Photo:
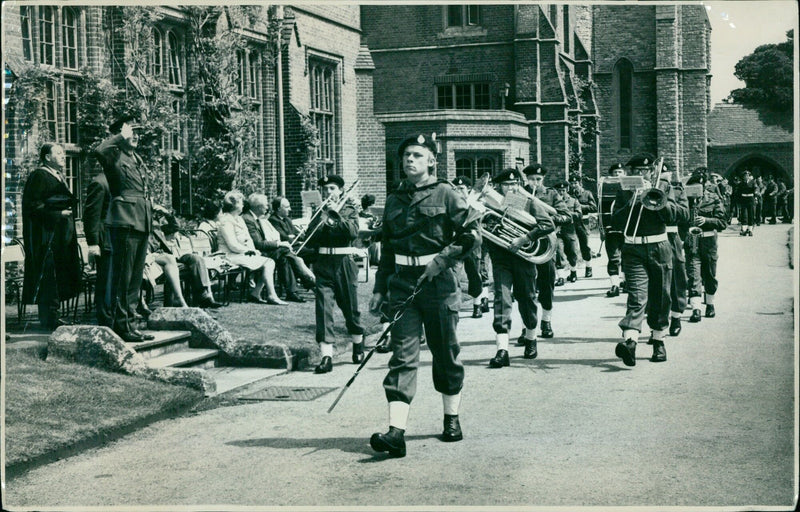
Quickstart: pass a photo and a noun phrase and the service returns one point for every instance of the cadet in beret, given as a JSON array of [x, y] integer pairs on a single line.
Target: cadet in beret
[[515, 274], [588, 205], [567, 236], [613, 242], [647, 262], [472, 262], [546, 272], [335, 269], [708, 214], [426, 231], [676, 235], [129, 218]]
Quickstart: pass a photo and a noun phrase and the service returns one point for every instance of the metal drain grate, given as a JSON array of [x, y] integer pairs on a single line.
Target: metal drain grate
[[287, 394]]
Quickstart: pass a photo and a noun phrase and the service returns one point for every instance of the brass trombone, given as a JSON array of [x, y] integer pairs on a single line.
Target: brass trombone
[[653, 199], [327, 205]]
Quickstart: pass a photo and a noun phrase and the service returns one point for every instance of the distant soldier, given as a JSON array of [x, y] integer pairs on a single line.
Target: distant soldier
[[613, 242], [472, 264], [568, 238], [588, 205], [747, 204]]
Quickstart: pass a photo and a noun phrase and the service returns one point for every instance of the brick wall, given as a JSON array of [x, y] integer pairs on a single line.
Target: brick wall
[[728, 160], [371, 137]]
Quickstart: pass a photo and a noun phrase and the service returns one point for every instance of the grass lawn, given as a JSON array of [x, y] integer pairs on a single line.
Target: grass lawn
[[55, 404]]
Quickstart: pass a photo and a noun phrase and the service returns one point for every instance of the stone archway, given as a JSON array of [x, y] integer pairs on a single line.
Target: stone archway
[[760, 165]]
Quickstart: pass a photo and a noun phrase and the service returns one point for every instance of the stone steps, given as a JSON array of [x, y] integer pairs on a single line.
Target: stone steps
[[171, 349]]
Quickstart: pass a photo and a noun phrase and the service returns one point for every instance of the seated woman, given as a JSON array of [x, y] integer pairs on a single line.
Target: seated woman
[[234, 240]]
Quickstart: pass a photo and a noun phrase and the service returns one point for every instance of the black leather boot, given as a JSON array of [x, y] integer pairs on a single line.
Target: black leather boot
[[674, 326], [573, 276], [626, 350], [324, 366], [659, 352], [613, 291], [588, 272], [485, 305], [392, 442], [476, 311], [358, 352], [530, 349], [500, 359], [547, 329], [452, 429], [560, 281], [710, 313], [696, 317]]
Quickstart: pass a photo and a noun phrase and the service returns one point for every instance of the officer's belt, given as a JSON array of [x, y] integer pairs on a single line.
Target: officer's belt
[[413, 261], [672, 229], [641, 240], [706, 234], [748, 195], [134, 195], [338, 250]]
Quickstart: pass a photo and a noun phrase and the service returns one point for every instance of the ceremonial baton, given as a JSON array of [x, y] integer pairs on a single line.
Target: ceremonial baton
[[400, 311]]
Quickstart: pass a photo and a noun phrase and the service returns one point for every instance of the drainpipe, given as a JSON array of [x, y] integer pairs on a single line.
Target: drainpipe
[[279, 85]]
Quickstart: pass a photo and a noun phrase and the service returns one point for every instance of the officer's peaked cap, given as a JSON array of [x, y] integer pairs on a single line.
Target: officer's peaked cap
[[641, 160], [331, 178], [534, 169], [507, 175], [421, 139], [615, 166], [116, 126], [462, 180]]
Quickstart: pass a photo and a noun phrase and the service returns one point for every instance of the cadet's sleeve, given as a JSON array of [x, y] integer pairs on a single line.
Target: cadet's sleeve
[[591, 205], [93, 214], [386, 264], [677, 208], [107, 151], [346, 224], [466, 236], [718, 219], [544, 222], [563, 215], [621, 210]]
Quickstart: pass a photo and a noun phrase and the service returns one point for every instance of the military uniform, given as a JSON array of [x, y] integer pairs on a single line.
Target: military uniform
[[676, 235], [613, 243], [336, 271], [701, 252], [129, 219], [546, 272], [647, 263], [588, 205], [98, 197], [513, 273], [568, 244], [747, 205]]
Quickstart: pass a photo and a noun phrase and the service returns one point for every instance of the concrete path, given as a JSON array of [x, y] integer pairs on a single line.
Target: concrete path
[[713, 426]]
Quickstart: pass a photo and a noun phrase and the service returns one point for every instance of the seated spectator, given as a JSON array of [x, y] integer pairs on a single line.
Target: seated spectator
[[236, 243], [282, 222], [267, 240], [211, 212]]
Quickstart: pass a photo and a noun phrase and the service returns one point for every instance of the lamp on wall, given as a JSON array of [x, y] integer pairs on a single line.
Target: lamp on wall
[[504, 94]]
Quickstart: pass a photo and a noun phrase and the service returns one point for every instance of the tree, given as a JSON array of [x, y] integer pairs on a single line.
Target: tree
[[768, 76]]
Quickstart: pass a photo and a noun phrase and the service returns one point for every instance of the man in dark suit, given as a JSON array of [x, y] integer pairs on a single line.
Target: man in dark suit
[[267, 239], [129, 220], [94, 213]]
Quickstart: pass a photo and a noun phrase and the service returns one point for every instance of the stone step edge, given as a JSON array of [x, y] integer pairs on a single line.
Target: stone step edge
[[182, 358], [161, 338]]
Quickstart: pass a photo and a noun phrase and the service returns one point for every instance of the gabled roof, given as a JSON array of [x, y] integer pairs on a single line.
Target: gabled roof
[[730, 124]]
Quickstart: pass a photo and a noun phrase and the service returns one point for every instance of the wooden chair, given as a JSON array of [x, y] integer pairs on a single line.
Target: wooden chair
[[220, 269], [13, 265]]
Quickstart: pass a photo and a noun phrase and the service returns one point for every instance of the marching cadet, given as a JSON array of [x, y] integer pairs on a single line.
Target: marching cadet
[[747, 204], [426, 230], [708, 214], [512, 272], [647, 261], [568, 238], [546, 272], [588, 205], [677, 289], [614, 240], [472, 263], [335, 269]]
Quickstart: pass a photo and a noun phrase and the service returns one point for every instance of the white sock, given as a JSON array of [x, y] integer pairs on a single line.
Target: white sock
[[572, 268], [529, 334], [398, 414], [658, 334], [357, 338], [614, 280], [451, 403], [630, 334], [484, 293], [326, 349], [501, 339], [561, 272], [694, 302], [476, 301], [547, 315], [709, 299], [674, 314]]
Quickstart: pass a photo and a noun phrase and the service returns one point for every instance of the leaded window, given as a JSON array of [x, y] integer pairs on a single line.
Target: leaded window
[[463, 96], [174, 54], [323, 113], [70, 111], [69, 38], [47, 35], [25, 21]]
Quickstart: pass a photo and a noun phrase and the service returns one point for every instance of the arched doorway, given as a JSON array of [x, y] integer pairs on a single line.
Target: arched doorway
[[760, 165]]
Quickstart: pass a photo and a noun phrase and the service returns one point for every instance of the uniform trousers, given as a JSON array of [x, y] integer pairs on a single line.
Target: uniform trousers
[[677, 289], [701, 260], [512, 272], [614, 241], [472, 265], [102, 288], [436, 308], [648, 275], [337, 278], [747, 212], [128, 252], [583, 241], [568, 248], [545, 283]]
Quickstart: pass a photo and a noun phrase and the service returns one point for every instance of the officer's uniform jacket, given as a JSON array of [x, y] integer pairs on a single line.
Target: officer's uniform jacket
[[130, 205], [748, 191], [95, 211], [652, 222], [711, 208], [341, 234], [574, 209], [420, 221]]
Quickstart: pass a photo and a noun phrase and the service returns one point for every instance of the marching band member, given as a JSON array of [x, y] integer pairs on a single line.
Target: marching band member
[[336, 272], [588, 205], [647, 261], [701, 251], [546, 272], [677, 289], [568, 238], [511, 272], [472, 262], [424, 235], [614, 240]]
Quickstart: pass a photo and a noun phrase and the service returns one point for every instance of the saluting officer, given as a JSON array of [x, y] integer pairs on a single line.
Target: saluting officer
[[701, 251], [588, 205], [647, 261], [335, 269], [546, 272], [614, 241], [472, 266], [129, 218], [514, 273], [424, 235]]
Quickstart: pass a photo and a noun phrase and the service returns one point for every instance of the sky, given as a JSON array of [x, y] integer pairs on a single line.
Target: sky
[[738, 28]]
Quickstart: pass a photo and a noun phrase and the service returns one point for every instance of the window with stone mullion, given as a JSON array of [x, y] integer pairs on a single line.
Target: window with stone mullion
[[47, 35], [69, 38], [49, 109], [70, 111], [322, 114], [174, 54], [25, 22]]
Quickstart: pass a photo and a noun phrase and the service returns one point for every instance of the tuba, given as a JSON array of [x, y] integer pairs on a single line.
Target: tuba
[[500, 225]]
